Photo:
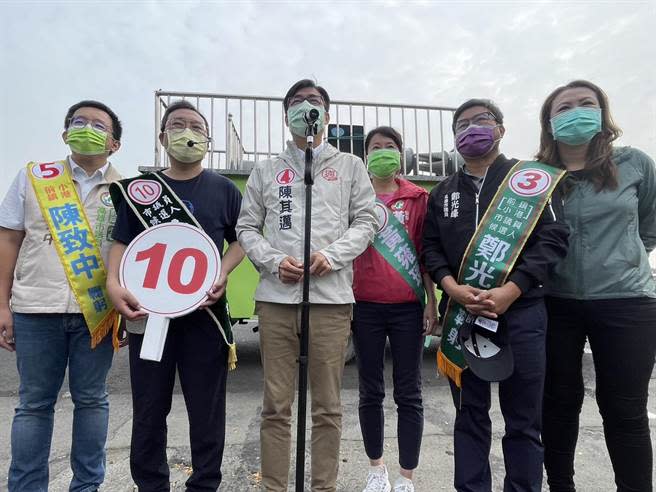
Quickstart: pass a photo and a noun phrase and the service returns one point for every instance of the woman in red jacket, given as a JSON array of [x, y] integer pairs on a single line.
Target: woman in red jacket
[[390, 291]]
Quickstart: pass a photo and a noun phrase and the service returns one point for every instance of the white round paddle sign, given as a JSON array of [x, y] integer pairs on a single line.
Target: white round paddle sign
[[169, 268]]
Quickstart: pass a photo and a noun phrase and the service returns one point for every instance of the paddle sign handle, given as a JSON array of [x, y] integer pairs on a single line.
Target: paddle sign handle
[[154, 339], [427, 342]]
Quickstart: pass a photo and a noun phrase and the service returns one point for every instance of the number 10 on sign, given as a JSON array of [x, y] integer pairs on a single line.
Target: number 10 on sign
[[169, 268]]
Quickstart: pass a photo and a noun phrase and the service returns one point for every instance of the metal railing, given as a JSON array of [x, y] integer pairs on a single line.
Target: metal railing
[[234, 149], [245, 129]]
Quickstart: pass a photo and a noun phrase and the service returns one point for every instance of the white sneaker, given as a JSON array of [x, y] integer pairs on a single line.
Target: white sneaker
[[403, 484], [378, 480]]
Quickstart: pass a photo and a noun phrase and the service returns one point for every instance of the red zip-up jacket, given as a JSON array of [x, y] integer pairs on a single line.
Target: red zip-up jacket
[[374, 280]]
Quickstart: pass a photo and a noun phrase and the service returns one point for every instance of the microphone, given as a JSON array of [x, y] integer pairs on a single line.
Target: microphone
[[311, 116], [191, 143]]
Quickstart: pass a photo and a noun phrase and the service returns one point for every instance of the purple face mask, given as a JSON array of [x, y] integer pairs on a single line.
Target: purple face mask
[[475, 141]]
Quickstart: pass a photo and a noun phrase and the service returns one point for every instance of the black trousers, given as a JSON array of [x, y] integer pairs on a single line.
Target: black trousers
[[194, 346], [622, 336], [520, 398], [373, 324]]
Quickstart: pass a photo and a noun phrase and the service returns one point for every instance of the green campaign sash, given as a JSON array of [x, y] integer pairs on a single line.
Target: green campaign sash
[[154, 202], [497, 243], [394, 245]]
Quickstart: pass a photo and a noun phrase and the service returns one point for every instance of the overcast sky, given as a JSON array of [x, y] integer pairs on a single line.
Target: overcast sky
[[53, 54]]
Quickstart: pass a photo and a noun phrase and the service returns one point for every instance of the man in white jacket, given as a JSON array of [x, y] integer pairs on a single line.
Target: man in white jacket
[[270, 229]]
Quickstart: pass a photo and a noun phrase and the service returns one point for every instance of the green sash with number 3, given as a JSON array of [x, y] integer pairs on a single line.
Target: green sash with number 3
[[495, 247]]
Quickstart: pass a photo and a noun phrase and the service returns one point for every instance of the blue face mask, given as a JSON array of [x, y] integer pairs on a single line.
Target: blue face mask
[[576, 126]]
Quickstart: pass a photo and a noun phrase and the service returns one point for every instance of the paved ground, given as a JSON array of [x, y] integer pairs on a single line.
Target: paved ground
[[241, 461]]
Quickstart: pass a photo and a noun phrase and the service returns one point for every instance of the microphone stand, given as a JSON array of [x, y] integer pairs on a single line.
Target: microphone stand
[[305, 310]]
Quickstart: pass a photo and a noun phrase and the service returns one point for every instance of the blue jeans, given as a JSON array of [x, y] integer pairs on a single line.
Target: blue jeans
[[45, 345]]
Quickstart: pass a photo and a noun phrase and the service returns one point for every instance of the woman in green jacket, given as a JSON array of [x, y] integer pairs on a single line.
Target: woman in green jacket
[[603, 290]]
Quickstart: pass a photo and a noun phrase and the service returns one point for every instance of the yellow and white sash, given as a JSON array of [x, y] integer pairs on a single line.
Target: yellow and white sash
[[76, 246]]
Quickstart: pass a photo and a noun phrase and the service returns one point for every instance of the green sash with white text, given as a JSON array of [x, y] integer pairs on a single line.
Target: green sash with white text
[[497, 243], [394, 245]]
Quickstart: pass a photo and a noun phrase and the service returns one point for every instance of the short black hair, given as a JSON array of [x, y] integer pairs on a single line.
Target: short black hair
[[385, 131], [304, 84], [181, 104], [486, 103], [117, 128]]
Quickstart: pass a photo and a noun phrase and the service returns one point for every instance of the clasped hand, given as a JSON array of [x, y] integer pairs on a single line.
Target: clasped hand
[[291, 270], [489, 303]]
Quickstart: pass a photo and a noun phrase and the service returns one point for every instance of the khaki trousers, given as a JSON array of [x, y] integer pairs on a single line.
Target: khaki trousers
[[280, 326]]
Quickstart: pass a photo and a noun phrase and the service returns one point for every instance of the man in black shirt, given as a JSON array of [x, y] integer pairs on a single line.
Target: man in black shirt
[[194, 344], [456, 207]]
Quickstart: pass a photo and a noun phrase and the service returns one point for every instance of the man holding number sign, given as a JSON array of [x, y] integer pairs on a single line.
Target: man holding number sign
[[199, 345], [55, 226]]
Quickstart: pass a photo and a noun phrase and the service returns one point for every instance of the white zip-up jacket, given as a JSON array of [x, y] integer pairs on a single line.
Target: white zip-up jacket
[[272, 218]]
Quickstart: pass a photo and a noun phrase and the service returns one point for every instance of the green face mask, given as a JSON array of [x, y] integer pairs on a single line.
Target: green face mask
[[178, 145], [87, 141], [296, 120], [383, 163]]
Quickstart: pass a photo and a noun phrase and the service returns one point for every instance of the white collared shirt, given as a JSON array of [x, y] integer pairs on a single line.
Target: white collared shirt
[[86, 182], [12, 209], [315, 151]]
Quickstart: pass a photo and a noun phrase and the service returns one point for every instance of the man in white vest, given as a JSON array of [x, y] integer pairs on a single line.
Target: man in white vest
[[55, 233]]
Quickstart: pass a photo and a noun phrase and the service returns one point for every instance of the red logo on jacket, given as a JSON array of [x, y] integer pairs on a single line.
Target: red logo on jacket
[[329, 174], [285, 176]]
